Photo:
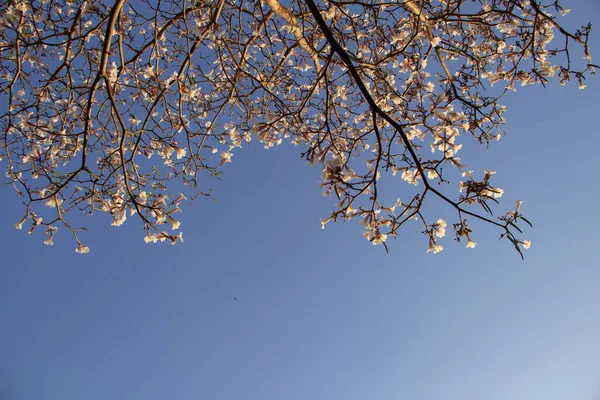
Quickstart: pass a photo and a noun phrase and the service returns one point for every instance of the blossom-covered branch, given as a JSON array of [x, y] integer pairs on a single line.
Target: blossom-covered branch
[[125, 107]]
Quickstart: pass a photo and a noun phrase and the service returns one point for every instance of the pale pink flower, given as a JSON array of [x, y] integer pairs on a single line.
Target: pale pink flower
[[81, 249]]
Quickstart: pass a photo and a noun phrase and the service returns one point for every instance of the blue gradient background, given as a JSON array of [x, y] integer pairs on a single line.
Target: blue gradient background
[[322, 314]]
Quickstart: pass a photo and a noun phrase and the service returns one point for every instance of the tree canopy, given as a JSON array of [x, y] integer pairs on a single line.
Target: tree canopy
[[129, 107]]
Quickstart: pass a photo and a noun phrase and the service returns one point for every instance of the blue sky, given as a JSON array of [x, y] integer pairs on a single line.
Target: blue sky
[[322, 314]]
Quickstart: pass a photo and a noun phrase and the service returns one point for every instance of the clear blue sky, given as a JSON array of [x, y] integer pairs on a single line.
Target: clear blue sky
[[322, 314]]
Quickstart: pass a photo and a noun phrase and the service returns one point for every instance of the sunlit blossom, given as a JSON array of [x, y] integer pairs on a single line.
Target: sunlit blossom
[[180, 152], [19, 225], [226, 156], [81, 249], [435, 248], [471, 244], [440, 228]]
